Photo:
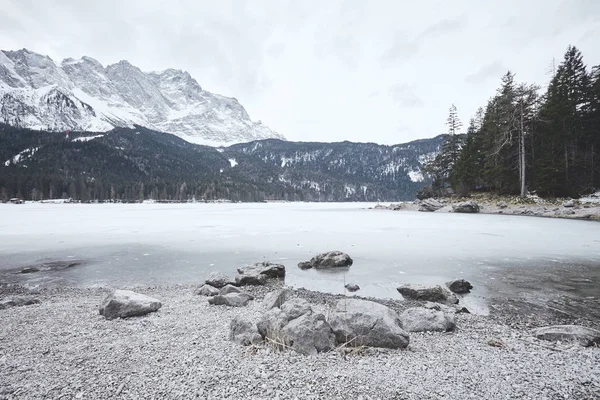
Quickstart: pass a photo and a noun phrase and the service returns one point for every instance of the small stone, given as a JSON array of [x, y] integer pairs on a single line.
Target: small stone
[[352, 287]]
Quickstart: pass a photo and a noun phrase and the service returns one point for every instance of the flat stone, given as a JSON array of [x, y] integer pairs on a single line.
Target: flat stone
[[565, 333], [18, 301], [231, 299], [126, 303], [434, 293], [229, 289]]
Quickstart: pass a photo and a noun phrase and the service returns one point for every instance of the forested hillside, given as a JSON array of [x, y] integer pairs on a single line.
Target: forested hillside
[[529, 140]]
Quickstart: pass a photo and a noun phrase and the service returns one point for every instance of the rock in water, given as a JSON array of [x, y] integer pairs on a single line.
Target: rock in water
[[219, 280], [430, 205], [308, 334], [466, 207], [459, 286], [419, 319], [361, 322], [258, 274], [332, 259], [231, 299], [125, 303], [229, 289], [295, 308], [244, 332], [275, 299], [352, 287], [305, 265], [29, 270], [580, 334], [434, 293], [206, 290], [18, 301]]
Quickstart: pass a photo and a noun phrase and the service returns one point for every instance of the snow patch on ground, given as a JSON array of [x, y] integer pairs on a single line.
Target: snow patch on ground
[[415, 176], [25, 154], [233, 162], [86, 138]]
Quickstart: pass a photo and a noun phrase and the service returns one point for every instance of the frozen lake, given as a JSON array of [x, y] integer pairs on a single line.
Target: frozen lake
[[156, 244]]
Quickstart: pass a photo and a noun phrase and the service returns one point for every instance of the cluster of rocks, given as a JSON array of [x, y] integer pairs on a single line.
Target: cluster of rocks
[[294, 324]]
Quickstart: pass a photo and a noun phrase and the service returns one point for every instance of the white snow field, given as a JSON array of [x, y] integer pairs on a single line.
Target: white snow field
[[157, 244]]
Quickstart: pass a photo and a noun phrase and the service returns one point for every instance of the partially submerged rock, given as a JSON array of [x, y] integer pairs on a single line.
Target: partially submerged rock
[[434, 293], [258, 274], [352, 287], [231, 299], [571, 333], [420, 319], [18, 301], [275, 299], [459, 286], [331, 259], [243, 331], [466, 207], [305, 265], [29, 270], [430, 205], [219, 280], [126, 303], [206, 290], [365, 323]]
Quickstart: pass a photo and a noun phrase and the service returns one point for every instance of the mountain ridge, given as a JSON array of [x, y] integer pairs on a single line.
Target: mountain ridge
[[81, 94]]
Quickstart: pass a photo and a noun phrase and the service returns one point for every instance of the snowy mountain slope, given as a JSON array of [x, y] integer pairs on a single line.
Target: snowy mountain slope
[[83, 95]]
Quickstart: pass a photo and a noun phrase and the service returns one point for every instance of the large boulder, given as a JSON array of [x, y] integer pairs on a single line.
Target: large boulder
[[275, 299], [331, 259], [430, 205], [257, 274], [459, 286], [219, 280], [229, 289], [271, 324], [295, 308], [308, 334], [206, 290], [18, 301], [231, 299], [243, 331], [434, 293], [365, 323], [125, 303], [270, 270], [569, 333], [466, 207], [420, 319]]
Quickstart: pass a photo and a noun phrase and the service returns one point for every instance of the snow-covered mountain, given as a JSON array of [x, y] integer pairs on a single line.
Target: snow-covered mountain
[[83, 95]]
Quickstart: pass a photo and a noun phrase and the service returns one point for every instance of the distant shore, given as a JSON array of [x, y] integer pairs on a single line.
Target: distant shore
[[62, 348]]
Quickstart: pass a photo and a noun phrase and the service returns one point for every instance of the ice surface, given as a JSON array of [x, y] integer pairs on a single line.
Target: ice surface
[[183, 240]]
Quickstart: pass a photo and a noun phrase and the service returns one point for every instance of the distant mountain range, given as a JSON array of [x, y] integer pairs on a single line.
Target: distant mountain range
[[130, 164], [83, 95]]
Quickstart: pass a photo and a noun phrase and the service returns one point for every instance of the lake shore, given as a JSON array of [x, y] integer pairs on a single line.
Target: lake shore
[[62, 348], [584, 209]]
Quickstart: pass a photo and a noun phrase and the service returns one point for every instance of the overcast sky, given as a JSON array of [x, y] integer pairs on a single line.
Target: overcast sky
[[381, 71]]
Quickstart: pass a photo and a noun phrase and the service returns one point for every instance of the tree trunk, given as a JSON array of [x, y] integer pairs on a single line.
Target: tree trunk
[[522, 152]]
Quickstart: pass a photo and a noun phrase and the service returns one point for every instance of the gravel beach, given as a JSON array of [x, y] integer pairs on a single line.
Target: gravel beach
[[62, 348]]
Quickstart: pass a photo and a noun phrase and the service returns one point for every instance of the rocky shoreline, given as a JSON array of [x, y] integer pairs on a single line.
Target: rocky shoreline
[[584, 209], [62, 347]]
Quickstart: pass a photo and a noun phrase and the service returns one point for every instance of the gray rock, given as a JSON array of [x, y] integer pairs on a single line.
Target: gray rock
[[219, 280], [229, 289], [275, 299], [231, 299], [502, 204], [331, 259], [569, 203], [466, 207], [126, 303], [305, 265], [295, 308], [352, 287], [206, 290], [434, 293], [420, 319], [243, 331], [18, 301], [29, 270], [569, 333], [366, 323], [430, 205], [250, 280], [270, 270], [459, 286], [309, 334], [271, 324]]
